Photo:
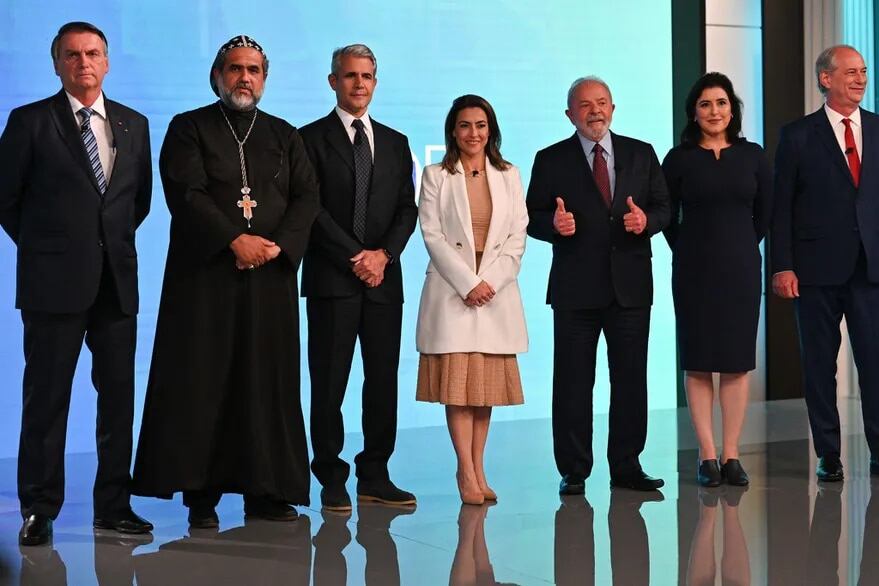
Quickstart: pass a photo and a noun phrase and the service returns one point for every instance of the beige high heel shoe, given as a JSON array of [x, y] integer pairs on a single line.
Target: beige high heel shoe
[[474, 497]]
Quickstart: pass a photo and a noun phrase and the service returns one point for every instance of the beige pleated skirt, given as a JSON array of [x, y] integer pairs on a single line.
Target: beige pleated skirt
[[470, 379]]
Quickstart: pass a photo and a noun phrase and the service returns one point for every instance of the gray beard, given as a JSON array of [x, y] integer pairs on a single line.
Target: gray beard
[[238, 103]]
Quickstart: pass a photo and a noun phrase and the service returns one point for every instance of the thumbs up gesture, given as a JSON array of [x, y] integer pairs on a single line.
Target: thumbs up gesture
[[635, 220], [562, 220]]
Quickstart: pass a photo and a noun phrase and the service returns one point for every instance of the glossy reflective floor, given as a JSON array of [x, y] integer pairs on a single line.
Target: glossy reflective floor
[[785, 529]]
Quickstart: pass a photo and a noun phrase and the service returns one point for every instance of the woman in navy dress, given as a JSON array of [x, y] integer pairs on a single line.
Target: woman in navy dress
[[720, 186]]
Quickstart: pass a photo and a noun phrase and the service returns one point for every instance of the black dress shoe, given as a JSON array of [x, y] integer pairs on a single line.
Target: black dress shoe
[[874, 467], [636, 481], [268, 510], [572, 484], [829, 469], [385, 493], [734, 473], [335, 498], [125, 522], [203, 518], [36, 530], [709, 473]]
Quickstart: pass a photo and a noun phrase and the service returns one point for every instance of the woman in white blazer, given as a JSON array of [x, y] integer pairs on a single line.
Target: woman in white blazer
[[471, 323]]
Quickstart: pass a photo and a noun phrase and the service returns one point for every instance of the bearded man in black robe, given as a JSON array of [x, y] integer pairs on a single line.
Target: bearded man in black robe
[[222, 411]]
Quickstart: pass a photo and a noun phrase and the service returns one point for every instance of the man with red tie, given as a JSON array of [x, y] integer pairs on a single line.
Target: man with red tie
[[598, 197], [825, 246]]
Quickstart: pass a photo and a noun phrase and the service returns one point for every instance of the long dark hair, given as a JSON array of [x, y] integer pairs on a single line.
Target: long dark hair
[[692, 134], [492, 148]]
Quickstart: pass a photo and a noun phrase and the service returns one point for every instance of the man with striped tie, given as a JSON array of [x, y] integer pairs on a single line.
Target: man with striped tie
[[75, 183]]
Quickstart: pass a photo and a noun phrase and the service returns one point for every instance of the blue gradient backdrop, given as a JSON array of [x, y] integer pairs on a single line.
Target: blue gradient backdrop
[[520, 55]]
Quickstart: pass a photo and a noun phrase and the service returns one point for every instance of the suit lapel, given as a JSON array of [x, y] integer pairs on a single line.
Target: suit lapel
[[826, 137], [622, 161], [498, 191], [457, 183], [580, 169], [338, 139], [120, 137], [67, 126], [869, 136], [383, 151]]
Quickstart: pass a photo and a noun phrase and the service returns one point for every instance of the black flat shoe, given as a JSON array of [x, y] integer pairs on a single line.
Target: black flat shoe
[[637, 481], [125, 522], [385, 493], [572, 485], [268, 510], [335, 498], [734, 474], [829, 469], [203, 518], [36, 530], [709, 473]]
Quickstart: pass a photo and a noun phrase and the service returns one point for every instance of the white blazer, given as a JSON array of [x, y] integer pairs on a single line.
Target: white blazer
[[445, 324]]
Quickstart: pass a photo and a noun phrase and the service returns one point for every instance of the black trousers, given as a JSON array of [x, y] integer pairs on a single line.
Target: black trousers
[[576, 341], [52, 343], [334, 325], [819, 312]]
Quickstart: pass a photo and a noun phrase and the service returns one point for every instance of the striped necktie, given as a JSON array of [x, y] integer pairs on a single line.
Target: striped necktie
[[91, 147]]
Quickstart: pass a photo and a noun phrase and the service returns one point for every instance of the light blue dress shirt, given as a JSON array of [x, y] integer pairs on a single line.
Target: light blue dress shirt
[[607, 145]]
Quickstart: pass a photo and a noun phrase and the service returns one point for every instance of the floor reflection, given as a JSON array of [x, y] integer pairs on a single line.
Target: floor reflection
[[574, 557], [276, 553], [786, 528], [735, 567], [373, 534], [42, 566], [471, 565]]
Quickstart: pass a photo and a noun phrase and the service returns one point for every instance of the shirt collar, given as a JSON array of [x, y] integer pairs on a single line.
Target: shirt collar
[[605, 142], [347, 118], [98, 107], [836, 118]]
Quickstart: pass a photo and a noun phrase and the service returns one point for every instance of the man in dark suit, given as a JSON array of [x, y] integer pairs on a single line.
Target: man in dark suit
[[598, 197], [75, 183], [825, 246], [352, 278]]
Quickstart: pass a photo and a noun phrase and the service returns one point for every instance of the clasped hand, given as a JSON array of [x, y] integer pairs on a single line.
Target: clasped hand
[[253, 251], [479, 295], [369, 266]]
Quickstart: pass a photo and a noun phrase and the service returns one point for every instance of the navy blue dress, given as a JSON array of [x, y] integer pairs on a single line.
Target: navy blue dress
[[720, 210]]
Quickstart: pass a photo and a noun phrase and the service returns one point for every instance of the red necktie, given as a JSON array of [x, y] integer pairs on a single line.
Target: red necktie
[[599, 173], [851, 152]]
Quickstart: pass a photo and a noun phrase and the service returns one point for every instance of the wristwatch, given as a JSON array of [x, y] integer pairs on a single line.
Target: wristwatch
[[390, 256]]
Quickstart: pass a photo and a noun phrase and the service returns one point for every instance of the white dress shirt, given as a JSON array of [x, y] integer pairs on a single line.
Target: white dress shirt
[[348, 118], [101, 129], [839, 128]]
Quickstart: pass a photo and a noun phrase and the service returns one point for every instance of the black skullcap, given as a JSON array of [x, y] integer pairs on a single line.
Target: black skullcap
[[241, 41]]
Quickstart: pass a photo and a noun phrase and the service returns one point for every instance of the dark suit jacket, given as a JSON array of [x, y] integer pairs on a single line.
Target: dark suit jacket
[[50, 205], [390, 216], [820, 219], [601, 262]]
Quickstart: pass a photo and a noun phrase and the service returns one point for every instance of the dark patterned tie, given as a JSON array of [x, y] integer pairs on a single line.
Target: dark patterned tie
[[599, 172], [362, 177], [91, 147], [851, 152]]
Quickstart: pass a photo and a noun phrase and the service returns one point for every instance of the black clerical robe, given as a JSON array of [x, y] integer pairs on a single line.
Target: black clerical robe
[[222, 410]]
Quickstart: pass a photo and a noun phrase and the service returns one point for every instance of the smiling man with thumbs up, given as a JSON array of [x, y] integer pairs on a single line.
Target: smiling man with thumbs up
[[598, 197]]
